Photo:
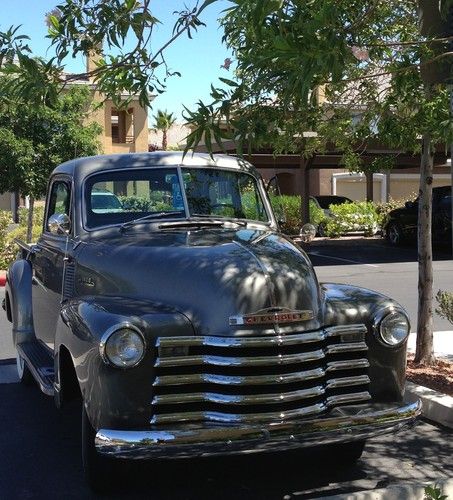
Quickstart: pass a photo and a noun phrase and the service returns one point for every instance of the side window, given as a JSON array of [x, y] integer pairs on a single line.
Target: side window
[[59, 199]]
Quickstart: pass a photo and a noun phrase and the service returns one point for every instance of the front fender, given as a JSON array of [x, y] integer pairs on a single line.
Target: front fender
[[350, 304], [113, 396], [18, 290]]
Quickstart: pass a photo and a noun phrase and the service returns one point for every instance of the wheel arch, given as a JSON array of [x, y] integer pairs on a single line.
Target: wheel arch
[[67, 386]]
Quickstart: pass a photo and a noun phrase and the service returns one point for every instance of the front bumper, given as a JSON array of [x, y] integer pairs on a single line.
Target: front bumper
[[343, 424]]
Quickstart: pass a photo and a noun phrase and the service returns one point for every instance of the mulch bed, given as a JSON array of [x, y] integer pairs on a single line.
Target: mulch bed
[[438, 377]]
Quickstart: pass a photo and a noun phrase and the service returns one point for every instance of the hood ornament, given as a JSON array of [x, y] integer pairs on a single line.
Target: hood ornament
[[272, 316]]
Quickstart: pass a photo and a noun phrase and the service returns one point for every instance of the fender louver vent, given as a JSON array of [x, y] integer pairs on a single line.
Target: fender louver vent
[[68, 281]]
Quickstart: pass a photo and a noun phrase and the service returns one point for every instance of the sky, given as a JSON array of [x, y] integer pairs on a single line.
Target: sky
[[198, 60]]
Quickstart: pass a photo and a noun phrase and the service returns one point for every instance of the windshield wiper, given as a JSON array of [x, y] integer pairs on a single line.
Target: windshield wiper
[[191, 223], [155, 215]]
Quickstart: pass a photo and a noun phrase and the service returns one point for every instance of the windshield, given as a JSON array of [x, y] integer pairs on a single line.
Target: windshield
[[139, 196], [222, 193]]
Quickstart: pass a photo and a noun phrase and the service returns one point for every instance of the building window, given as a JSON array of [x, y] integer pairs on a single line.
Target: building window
[[123, 126]]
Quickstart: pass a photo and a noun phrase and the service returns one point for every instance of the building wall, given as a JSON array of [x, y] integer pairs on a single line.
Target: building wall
[[139, 132], [5, 201]]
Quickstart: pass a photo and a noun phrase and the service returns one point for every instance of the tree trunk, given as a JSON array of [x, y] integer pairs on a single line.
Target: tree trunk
[[369, 186], [30, 219], [424, 349], [164, 140]]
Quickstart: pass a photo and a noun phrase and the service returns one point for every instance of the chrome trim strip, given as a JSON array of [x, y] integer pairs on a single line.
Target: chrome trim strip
[[333, 383], [212, 416], [348, 398], [262, 341], [281, 359], [349, 364], [279, 340], [349, 347], [211, 378], [343, 424], [244, 399], [335, 331]]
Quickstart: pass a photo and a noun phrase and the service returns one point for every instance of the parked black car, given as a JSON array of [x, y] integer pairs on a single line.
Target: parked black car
[[402, 222], [191, 326], [324, 201]]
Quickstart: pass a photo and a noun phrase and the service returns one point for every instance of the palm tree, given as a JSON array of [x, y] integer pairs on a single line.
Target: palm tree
[[163, 121]]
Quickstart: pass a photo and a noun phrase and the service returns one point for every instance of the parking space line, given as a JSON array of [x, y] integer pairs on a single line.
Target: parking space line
[[342, 259]]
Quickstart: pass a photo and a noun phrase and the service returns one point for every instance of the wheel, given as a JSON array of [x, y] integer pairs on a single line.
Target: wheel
[[23, 372], [98, 469], [322, 229], [394, 233]]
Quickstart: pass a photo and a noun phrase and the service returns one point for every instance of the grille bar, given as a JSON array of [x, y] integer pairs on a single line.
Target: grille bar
[[210, 378], [334, 383], [357, 397], [278, 340], [259, 378], [349, 347], [281, 359], [211, 416], [352, 364], [249, 399]]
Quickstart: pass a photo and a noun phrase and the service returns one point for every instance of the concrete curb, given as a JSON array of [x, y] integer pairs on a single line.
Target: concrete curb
[[436, 406], [406, 491]]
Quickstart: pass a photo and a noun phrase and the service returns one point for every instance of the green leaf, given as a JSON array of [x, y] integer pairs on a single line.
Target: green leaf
[[231, 83]]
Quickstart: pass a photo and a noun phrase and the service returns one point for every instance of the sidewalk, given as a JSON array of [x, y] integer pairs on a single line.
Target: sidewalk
[[443, 344]]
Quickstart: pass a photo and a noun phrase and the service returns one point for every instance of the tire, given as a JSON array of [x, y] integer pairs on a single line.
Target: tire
[[23, 372], [394, 234], [99, 471], [322, 229]]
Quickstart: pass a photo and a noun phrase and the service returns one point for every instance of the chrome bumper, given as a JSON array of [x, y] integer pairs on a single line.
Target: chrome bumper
[[343, 424]]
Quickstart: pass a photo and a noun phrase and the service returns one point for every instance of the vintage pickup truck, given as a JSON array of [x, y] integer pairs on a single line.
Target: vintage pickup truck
[[162, 292]]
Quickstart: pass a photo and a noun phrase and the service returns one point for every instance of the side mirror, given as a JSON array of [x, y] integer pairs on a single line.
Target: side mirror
[[59, 224]]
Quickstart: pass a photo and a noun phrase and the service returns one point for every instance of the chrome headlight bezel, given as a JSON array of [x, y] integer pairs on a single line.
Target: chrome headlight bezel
[[385, 316], [108, 336]]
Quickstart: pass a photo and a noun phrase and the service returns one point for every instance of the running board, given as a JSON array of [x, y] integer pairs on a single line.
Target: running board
[[40, 364]]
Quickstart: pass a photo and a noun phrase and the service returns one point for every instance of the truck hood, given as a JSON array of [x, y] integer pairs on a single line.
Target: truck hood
[[213, 276]]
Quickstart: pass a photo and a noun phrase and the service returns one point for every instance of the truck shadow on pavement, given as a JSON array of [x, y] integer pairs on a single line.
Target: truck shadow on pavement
[[41, 459]]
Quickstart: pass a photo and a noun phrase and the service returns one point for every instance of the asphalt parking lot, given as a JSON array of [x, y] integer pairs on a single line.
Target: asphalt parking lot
[[40, 459], [39, 445]]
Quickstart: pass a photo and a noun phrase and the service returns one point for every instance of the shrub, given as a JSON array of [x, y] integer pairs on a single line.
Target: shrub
[[349, 217], [290, 205], [9, 249], [135, 203], [445, 309], [5, 221]]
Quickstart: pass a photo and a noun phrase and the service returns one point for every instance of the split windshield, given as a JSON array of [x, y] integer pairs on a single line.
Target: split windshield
[[123, 196]]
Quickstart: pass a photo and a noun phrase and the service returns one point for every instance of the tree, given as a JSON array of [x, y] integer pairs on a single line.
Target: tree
[[365, 57], [98, 27], [163, 121], [34, 139], [86, 28]]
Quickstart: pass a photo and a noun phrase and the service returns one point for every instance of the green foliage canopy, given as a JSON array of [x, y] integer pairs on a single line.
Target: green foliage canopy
[[348, 70], [35, 138]]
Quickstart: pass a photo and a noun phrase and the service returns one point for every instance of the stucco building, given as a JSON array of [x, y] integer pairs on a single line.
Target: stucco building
[[123, 130]]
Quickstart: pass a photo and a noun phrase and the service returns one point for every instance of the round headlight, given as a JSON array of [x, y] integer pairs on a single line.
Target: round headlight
[[394, 328], [123, 347]]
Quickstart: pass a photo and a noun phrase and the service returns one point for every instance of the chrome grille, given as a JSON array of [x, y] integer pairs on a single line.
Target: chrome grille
[[252, 379]]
